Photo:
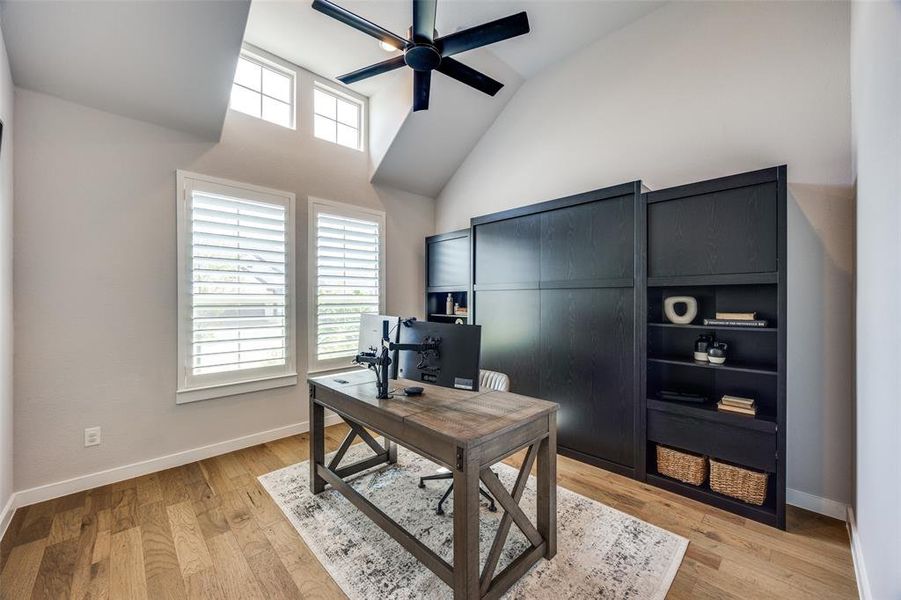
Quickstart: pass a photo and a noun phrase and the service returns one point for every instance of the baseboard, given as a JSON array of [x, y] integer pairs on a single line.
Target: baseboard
[[863, 584], [6, 515], [86, 482], [824, 506]]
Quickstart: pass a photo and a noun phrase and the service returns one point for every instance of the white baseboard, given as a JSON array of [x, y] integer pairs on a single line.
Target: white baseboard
[[824, 506], [6, 515], [863, 584], [86, 482]]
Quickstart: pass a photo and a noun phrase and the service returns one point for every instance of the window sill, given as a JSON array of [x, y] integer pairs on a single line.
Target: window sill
[[338, 369], [188, 395]]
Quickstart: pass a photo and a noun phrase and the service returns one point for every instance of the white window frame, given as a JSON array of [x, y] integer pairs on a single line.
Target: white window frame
[[345, 210], [339, 95], [216, 385], [268, 61]]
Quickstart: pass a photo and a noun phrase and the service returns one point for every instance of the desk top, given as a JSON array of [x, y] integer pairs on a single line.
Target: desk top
[[463, 416]]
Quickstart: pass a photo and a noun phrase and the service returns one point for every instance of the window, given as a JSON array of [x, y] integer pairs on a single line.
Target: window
[[235, 288], [337, 118], [346, 279], [263, 90]]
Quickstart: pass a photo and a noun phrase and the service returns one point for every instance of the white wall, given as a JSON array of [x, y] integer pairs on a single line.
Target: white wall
[[876, 68], [692, 91], [95, 276], [6, 282]]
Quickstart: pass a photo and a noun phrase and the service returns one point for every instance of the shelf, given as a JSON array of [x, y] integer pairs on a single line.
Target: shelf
[[715, 327], [729, 366], [442, 315], [764, 514], [724, 279], [709, 412], [445, 289]]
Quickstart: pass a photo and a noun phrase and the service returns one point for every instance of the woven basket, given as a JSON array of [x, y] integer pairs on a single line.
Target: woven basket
[[685, 467], [736, 482]]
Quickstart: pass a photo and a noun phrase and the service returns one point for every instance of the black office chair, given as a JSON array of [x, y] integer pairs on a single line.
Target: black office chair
[[493, 381]]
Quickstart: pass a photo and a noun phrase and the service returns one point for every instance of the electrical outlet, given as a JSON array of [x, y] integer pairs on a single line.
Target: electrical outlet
[[91, 436]]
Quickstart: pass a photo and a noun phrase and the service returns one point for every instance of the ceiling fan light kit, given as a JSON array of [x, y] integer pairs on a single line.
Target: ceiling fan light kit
[[425, 52]]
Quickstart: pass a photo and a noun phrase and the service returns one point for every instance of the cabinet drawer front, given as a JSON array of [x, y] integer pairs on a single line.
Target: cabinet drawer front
[[746, 447]]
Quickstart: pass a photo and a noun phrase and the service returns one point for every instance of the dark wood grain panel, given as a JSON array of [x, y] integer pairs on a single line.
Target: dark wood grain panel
[[589, 241], [448, 263], [731, 231], [510, 325], [587, 349], [508, 251]]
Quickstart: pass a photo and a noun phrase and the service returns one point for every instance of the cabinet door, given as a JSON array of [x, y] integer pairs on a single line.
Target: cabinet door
[[731, 231], [449, 263], [508, 251], [589, 242], [509, 321], [587, 352]]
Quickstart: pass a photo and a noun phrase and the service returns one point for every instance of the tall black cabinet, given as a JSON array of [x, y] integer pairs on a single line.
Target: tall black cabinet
[[557, 290], [723, 242], [570, 293]]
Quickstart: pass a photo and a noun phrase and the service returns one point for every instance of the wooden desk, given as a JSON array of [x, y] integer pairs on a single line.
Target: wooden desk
[[467, 432]]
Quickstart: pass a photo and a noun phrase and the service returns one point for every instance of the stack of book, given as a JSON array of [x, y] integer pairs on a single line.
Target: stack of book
[[736, 319], [737, 404]]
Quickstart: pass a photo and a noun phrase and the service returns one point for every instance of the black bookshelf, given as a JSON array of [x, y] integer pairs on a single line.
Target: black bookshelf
[[722, 242], [448, 268]]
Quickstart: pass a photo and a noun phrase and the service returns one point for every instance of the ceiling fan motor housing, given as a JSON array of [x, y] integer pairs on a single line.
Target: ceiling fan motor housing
[[422, 57]]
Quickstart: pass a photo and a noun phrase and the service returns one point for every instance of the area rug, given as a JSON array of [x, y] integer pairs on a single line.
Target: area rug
[[602, 552]]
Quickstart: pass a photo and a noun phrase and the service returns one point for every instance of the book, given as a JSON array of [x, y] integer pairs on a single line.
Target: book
[[737, 316], [735, 322], [737, 401], [736, 409]]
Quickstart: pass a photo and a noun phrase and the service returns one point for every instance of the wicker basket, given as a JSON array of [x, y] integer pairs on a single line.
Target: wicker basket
[[683, 466], [729, 480]]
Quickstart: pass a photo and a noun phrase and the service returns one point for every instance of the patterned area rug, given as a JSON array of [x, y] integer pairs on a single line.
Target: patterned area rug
[[602, 552]]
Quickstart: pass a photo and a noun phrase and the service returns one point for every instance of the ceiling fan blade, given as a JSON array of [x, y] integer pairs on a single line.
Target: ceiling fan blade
[[422, 82], [482, 35], [424, 20], [469, 76], [359, 23], [372, 70]]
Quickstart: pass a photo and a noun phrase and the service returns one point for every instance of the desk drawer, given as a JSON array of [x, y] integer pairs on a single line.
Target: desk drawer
[[746, 447]]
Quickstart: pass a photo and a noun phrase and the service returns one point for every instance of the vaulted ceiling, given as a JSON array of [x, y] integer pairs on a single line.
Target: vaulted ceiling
[[426, 148], [169, 63]]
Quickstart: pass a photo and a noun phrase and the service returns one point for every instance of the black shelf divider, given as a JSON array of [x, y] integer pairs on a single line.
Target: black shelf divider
[[708, 412], [715, 327], [728, 366]]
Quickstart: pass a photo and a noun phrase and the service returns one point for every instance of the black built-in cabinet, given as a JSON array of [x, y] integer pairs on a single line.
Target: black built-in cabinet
[[554, 291], [569, 294], [448, 271]]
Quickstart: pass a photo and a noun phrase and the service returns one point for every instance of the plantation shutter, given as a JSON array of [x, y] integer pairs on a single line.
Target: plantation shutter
[[239, 287], [347, 281]]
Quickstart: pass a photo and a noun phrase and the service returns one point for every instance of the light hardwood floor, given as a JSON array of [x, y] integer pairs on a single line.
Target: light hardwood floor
[[209, 530]]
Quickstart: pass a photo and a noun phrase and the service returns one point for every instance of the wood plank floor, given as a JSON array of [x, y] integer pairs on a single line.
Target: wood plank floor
[[208, 530]]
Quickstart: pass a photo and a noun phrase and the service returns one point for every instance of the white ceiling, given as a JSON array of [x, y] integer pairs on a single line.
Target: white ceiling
[[428, 147], [164, 62], [292, 30]]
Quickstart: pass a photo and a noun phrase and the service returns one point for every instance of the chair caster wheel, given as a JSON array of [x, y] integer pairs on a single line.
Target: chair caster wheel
[[492, 508], [421, 485], [439, 512]]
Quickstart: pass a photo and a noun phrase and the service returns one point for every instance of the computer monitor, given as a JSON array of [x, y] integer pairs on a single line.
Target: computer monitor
[[371, 332], [456, 362]]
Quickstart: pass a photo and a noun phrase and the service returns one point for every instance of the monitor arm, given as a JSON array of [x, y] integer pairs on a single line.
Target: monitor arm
[[380, 361]]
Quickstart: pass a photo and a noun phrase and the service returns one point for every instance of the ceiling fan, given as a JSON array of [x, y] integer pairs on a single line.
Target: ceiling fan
[[424, 52]]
